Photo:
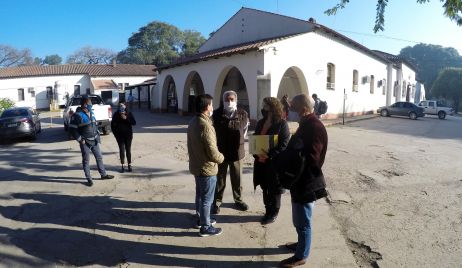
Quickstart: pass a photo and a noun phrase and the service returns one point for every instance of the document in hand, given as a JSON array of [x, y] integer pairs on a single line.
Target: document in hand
[[259, 144]]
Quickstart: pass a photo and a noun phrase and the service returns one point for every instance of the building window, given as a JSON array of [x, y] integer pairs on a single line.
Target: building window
[[372, 84], [120, 86], [404, 89], [395, 89], [330, 76], [76, 90], [126, 85], [355, 80], [31, 91], [20, 94]]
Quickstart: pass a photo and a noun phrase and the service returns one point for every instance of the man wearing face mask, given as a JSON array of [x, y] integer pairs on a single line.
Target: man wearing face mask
[[230, 124], [84, 129]]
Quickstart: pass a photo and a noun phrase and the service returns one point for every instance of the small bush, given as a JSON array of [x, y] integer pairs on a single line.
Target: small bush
[[5, 103]]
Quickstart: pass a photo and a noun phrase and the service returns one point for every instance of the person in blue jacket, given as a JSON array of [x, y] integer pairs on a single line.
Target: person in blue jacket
[[84, 130]]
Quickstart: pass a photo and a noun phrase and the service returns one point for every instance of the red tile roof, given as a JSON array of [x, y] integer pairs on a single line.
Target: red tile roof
[[70, 69]]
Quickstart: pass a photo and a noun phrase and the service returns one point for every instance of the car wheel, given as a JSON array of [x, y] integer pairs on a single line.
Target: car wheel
[[384, 113], [413, 115], [441, 115]]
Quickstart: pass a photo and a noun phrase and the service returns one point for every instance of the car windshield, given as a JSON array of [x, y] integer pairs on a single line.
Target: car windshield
[[14, 112], [94, 100]]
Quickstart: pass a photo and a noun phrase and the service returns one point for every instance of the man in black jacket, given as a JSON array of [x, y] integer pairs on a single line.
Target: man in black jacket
[[311, 185], [230, 125], [85, 131]]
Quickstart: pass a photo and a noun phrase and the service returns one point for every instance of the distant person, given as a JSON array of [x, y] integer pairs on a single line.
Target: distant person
[[264, 175], [130, 100], [204, 158], [84, 129], [121, 126], [311, 186], [230, 124], [316, 105]]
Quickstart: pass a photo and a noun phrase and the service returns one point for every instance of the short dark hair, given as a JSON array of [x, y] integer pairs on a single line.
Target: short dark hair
[[202, 101], [84, 100], [314, 96]]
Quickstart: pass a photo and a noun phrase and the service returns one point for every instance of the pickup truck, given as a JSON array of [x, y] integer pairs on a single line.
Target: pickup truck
[[434, 107], [103, 113]]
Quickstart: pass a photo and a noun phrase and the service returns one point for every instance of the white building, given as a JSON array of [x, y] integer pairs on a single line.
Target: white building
[[260, 54], [35, 85]]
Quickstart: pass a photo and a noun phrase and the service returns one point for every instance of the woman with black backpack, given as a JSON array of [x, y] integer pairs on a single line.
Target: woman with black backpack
[[121, 126], [264, 175]]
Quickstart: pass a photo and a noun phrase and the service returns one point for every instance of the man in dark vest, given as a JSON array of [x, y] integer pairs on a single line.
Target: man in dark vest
[[230, 125], [84, 129]]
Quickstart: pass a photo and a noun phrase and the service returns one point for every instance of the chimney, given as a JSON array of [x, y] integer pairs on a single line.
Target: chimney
[[114, 63]]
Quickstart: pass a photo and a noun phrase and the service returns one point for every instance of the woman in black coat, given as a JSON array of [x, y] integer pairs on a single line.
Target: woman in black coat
[[264, 175], [121, 126]]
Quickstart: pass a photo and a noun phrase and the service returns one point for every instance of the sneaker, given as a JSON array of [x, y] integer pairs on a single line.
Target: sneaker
[[215, 210], [90, 182], [292, 246], [107, 177], [241, 206], [198, 223], [210, 231], [291, 262]]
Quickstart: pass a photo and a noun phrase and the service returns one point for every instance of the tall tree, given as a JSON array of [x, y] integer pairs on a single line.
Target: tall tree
[[448, 85], [430, 60], [10, 56], [160, 43], [52, 60], [90, 55], [452, 10]]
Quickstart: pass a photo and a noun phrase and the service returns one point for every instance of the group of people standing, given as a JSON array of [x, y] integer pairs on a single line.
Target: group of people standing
[[215, 141]]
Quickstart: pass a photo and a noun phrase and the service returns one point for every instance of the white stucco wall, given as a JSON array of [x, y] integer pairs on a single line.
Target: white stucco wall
[[249, 25]]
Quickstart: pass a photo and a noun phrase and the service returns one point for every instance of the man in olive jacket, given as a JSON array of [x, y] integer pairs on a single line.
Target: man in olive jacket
[[204, 158]]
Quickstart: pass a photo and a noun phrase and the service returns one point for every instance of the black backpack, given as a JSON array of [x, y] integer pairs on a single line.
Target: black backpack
[[322, 107], [290, 163]]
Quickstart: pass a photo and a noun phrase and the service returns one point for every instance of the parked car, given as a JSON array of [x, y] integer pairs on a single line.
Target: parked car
[[434, 107], [20, 122], [102, 112], [402, 108]]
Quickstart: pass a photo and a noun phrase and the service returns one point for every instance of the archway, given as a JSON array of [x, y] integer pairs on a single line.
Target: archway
[[292, 83], [192, 87], [231, 79], [169, 96]]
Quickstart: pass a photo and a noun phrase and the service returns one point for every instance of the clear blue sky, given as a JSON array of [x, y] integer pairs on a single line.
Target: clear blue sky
[[61, 27]]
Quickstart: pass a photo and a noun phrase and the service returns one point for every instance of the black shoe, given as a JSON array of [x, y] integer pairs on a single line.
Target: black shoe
[[122, 170], [210, 231], [292, 246], [241, 206], [267, 219], [107, 177], [89, 182], [129, 168], [215, 210]]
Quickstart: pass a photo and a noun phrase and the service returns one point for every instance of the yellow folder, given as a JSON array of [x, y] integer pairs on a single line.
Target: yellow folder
[[259, 144]]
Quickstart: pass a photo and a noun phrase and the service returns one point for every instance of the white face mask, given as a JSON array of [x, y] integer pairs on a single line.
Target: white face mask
[[230, 106]]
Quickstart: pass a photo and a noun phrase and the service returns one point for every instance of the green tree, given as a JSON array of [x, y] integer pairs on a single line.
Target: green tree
[[452, 10], [11, 57], [430, 60], [52, 60], [90, 55], [448, 85], [160, 43], [5, 103]]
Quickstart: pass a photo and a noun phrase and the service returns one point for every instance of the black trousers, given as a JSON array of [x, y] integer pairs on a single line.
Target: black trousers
[[272, 200], [125, 147]]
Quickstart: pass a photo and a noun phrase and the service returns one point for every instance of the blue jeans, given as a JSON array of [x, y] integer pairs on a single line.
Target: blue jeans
[[86, 150], [205, 192], [301, 217]]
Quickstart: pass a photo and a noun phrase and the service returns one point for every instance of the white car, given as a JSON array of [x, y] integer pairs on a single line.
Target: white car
[[434, 107], [102, 112]]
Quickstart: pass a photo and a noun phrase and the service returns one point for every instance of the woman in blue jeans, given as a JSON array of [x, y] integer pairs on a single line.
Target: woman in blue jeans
[[311, 185]]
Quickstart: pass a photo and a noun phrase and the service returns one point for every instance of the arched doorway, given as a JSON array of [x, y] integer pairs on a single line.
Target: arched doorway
[[232, 79], [292, 83], [192, 88], [169, 96]]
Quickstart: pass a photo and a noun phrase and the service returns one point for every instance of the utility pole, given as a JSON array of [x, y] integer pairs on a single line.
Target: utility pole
[[344, 99]]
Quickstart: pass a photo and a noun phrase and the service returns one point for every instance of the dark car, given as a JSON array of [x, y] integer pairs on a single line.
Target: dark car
[[402, 108], [19, 122]]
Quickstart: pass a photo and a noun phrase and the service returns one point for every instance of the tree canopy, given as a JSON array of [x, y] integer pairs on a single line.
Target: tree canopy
[[52, 60], [430, 60], [448, 85], [11, 57], [160, 43], [452, 10], [90, 55]]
